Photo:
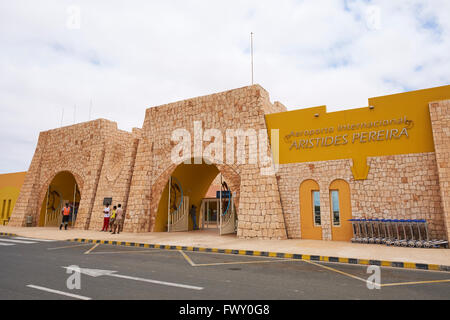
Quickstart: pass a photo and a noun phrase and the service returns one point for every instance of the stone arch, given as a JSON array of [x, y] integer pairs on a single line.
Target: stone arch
[[229, 173], [47, 180]]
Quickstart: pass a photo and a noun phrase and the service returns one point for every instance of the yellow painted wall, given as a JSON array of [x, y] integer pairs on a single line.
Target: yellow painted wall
[[64, 184], [308, 229], [10, 185], [195, 180], [343, 232], [401, 125]]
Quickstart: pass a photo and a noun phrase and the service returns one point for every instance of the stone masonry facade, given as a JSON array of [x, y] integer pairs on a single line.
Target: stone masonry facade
[[133, 168], [397, 187], [440, 121]]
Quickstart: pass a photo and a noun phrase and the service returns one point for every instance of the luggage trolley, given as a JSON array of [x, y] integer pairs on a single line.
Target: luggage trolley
[[371, 227], [379, 238], [404, 240], [427, 243], [354, 230], [359, 231], [389, 240], [412, 242], [399, 239], [365, 230]]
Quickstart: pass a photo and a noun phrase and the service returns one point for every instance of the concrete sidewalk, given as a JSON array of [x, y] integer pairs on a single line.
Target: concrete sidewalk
[[211, 239]]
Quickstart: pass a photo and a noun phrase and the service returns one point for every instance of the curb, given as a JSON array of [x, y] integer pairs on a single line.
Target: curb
[[294, 256], [8, 234]]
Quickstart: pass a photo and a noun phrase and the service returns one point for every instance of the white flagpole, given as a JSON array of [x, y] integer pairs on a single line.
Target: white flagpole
[[90, 109], [251, 45]]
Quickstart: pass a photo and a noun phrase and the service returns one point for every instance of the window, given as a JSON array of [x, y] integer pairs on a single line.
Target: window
[[3, 209], [8, 213], [316, 207], [336, 212]]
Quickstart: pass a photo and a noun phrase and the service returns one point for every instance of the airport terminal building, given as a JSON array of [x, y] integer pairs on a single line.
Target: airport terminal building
[[315, 171]]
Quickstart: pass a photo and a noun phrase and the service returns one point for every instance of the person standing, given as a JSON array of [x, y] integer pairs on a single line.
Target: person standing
[[193, 217], [118, 222], [106, 215], [112, 218], [65, 216]]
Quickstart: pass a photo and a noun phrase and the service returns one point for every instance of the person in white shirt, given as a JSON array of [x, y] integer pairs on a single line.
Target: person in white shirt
[[106, 215]]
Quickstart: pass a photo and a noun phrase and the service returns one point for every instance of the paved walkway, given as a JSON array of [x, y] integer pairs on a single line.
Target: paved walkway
[[211, 239]]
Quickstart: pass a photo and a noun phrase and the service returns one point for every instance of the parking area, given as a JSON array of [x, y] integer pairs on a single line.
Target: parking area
[[121, 272]]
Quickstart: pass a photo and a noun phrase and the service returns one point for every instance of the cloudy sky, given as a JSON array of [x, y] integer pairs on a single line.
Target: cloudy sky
[[126, 56]]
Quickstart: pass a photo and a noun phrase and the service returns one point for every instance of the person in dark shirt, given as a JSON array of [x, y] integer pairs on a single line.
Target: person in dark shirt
[[192, 214]]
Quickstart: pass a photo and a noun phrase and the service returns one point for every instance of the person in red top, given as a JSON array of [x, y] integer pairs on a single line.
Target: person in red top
[[106, 215], [65, 217]]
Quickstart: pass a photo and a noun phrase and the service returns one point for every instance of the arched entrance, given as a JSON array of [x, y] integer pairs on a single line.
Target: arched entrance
[[310, 215], [62, 189], [192, 184], [341, 211]]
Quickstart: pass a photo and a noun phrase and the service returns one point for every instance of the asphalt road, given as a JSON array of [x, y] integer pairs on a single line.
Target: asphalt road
[[34, 269]]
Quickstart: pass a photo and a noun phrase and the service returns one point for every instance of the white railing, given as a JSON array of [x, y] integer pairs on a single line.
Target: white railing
[[179, 220]]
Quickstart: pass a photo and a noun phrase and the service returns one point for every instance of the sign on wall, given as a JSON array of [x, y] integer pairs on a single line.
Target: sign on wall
[[394, 124]]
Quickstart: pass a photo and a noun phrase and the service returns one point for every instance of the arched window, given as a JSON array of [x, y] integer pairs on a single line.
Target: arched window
[[310, 210], [341, 211]]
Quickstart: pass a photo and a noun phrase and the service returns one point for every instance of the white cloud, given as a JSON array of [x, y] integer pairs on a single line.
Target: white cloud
[[128, 56]]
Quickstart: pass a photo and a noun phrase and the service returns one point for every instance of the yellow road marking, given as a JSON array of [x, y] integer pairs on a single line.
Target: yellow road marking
[[241, 262], [192, 263], [129, 251], [187, 258], [409, 265], [95, 246], [382, 285], [335, 270], [433, 267], [414, 282], [235, 255], [72, 246]]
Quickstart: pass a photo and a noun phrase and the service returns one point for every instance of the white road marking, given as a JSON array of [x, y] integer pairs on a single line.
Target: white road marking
[[71, 246], [7, 244], [111, 273], [33, 239], [164, 283], [59, 292], [17, 241]]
